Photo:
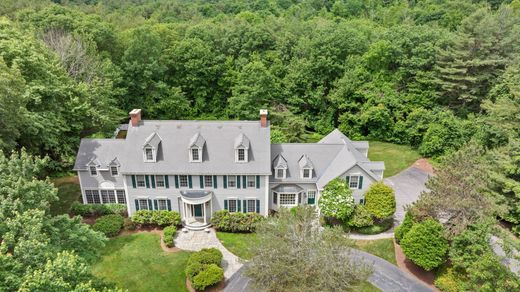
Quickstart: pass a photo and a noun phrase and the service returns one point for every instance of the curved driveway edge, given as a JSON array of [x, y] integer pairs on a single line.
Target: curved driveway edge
[[385, 276]]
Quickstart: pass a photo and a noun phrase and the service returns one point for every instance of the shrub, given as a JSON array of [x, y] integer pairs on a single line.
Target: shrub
[[361, 217], [78, 208], [380, 200], [425, 245], [169, 233], [165, 218], [402, 229], [193, 269], [210, 275], [110, 225], [142, 217], [128, 224], [235, 222], [206, 256], [449, 281], [336, 200], [377, 228]]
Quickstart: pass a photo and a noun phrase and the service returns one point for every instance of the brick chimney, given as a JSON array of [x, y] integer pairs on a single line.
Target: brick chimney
[[135, 117], [263, 118]]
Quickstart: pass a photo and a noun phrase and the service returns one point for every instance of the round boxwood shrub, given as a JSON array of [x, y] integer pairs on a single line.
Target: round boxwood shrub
[[380, 200], [425, 244], [402, 229], [206, 256], [110, 225], [193, 269], [361, 217], [169, 233], [165, 218], [210, 275]]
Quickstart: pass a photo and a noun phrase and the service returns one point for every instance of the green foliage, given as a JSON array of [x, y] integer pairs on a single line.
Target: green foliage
[[425, 245], [361, 217], [206, 256], [380, 200], [169, 233], [157, 218], [78, 208], [448, 280], [193, 269], [401, 230], [223, 220], [210, 275], [376, 228], [110, 225], [336, 200]]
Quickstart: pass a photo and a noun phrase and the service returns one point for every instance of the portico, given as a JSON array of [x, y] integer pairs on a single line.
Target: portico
[[196, 209]]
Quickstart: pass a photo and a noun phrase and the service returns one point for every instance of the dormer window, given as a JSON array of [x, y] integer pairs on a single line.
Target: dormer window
[[148, 154], [195, 155], [151, 147], [306, 167], [241, 148], [307, 173], [114, 171], [280, 173], [280, 167], [93, 170]]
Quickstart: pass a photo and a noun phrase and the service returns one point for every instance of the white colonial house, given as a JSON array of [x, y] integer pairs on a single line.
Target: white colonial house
[[199, 167]]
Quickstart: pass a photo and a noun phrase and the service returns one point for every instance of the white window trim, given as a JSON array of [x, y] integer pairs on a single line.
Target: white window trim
[[117, 169], [236, 204], [98, 195], [191, 154], [139, 201], [247, 182], [164, 181], [303, 171], [137, 181], [204, 182], [154, 154], [247, 205], [90, 172], [350, 180], [276, 173], [187, 181], [246, 156], [287, 205], [165, 202], [236, 179]]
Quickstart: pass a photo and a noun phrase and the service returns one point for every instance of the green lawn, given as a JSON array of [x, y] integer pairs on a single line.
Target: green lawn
[[136, 262], [68, 192], [396, 157], [237, 243], [383, 248]]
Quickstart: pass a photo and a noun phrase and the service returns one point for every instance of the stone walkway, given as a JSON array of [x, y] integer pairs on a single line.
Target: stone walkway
[[197, 240]]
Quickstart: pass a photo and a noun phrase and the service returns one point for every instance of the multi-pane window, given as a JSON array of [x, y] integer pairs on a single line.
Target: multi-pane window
[[306, 173], [93, 170], [162, 204], [251, 181], [208, 181], [311, 197], [149, 154], [108, 196], [140, 181], [354, 181], [92, 197], [232, 181], [183, 181], [159, 181], [241, 154], [287, 199], [195, 154], [143, 204], [232, 205], [114, 171], [280, 173], [121, 198], [251, 206]]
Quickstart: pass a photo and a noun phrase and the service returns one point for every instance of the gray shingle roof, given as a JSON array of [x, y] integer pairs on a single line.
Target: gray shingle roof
[[153, 140], [197, 140], [101, 151], [305, 162], [242, 140], [280, 162]]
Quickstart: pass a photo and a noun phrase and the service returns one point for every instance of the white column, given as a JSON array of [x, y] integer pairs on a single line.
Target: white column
[[204, 212]]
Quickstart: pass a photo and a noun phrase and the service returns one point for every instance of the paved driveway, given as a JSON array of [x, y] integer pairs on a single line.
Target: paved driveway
[[385, 276], [408, 185]]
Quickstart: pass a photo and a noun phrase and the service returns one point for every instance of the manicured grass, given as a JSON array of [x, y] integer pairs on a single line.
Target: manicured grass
[[237, 243], [383, 248], [136, 262], [396, 157], [68, 192]]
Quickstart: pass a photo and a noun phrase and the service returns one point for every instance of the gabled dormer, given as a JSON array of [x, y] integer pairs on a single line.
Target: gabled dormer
[[93, 166], [280, 167], [113, 167], [196, 147], [151, 147], [306, 167], [241, 148]]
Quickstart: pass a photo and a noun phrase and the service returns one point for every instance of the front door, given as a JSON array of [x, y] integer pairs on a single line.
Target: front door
[[197, 210]]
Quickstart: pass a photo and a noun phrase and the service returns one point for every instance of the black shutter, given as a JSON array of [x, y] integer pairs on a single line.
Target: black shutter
[[156, 205], [225, 205], [348, 181], [257, 206], [238, 181], [133, 181], [225, 181], [136, 204], [215, 181], [167, 181], [150, 205], [275, 198], [169, 204], [201, 181], [245, 206], [238, 205], [360, 184], [153, 181], [176, 181], [190, 182], [147, 179], [244, 182], [257, 181]]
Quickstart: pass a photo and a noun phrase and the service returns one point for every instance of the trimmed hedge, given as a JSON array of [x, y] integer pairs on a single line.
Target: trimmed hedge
[[203, 268], [157, 218], [169, 233], [402, 229], [110, 225], [78, 208], [210, 275], [223, 220], [361, 217], [380, 200]]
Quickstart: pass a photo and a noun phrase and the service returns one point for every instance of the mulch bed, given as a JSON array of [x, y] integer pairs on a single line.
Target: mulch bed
[[423, 165], [427, 277]]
